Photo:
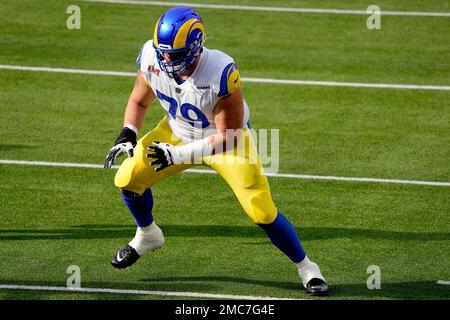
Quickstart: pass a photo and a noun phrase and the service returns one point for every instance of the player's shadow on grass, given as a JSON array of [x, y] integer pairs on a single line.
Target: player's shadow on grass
[[9, 147], [248, 232], [393, 290], [227, 279]]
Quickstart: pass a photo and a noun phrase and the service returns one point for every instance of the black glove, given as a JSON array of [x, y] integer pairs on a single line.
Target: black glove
[[165, 155], [124, 144]]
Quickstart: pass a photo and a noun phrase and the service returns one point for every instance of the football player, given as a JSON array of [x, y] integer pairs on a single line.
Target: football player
[[200, 90]]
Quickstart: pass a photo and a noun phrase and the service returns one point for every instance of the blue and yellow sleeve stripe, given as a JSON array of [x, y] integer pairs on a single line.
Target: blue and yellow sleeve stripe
[[138, 60], [230, 80]]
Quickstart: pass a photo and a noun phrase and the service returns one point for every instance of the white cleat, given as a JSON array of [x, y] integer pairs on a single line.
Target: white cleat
[[312, 279]]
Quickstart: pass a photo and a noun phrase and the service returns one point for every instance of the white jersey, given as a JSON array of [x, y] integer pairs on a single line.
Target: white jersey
[[190, 105]]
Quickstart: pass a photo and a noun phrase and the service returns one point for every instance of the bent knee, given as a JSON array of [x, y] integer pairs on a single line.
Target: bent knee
[[261, 208], [127, 179], [124, 174]]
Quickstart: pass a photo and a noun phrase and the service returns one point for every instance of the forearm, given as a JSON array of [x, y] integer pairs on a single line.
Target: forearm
[[214, 144], [134, 114]]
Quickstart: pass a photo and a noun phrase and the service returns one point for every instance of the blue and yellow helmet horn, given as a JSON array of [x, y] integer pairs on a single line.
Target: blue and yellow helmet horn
[[180, 33]]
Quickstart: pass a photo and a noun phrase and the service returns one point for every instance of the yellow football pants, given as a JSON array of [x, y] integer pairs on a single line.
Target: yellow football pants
[[241, 168]]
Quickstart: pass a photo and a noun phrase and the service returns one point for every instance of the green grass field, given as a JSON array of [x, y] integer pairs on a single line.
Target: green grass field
[[54, 217]]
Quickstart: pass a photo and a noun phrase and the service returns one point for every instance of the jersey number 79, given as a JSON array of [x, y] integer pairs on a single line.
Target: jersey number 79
[[186, 110]]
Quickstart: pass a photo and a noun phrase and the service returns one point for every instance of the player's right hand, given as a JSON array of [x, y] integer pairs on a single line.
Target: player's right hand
[[124, 144], [117, 151]]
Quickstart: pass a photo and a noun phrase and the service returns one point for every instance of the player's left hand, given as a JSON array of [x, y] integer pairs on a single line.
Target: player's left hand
[[164, 154]]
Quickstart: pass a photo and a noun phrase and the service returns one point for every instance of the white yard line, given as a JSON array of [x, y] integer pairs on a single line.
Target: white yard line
[[203, 171], [347, 84], [140, 292], [271, 9], [444, 282], [254, 80], [65, 70]]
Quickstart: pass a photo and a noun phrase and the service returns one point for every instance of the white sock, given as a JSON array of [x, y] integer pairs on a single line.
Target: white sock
[[302, 264], [147, 239]]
